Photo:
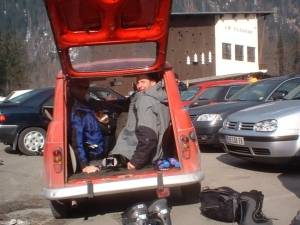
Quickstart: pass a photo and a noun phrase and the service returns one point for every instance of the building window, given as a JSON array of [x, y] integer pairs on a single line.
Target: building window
[[226, 51], [239, 53], [251, 54]]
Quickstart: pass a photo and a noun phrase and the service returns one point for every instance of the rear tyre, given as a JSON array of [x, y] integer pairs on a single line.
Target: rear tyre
[[31, 141], [60, 209], [191, 193]]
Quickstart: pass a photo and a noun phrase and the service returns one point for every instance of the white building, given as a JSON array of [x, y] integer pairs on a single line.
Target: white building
[[216, 44], [236, 44]]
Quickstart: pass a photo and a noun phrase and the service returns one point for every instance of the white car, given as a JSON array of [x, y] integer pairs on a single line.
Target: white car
[[265, 133]]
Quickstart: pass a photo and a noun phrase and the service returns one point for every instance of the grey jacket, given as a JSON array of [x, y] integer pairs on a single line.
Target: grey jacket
[[140, 141]]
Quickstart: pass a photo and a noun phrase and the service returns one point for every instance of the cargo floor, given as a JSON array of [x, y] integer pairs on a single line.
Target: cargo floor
[[108, 172]]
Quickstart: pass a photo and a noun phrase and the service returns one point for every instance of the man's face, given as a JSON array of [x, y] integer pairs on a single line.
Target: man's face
[[143, 83]]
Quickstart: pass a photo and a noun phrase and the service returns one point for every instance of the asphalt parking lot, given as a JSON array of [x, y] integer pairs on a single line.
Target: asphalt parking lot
[[22, 181]]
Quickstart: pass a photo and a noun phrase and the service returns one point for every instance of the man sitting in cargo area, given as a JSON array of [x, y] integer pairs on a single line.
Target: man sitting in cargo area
[[87, 138], [140, 141]]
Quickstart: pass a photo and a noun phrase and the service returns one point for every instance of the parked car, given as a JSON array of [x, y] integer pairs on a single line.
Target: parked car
[[218, 93], [1, 98], [131, 40], [209, 119], [193, 92], [265, 133], [22, 125], [24, 117]]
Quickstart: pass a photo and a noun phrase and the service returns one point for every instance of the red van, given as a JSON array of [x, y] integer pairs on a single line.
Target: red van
[[107, 41]]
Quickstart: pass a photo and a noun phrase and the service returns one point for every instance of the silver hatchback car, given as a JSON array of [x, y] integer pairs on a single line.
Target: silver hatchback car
[[265, 133]]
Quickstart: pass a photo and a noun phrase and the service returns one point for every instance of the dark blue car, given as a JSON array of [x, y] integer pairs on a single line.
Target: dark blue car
[[22, 124], [25, 118]]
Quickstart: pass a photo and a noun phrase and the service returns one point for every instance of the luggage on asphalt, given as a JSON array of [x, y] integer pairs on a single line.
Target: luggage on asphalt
[[227, 205], [220, 204]]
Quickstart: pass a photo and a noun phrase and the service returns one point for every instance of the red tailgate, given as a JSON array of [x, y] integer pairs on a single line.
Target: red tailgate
[[90, 23]]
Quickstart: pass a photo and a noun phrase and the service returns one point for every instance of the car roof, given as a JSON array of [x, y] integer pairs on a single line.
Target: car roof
[[218, 82], [283, 77], [230, 84]]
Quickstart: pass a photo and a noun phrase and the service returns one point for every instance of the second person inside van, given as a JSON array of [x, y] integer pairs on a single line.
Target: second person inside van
[[87, 137]]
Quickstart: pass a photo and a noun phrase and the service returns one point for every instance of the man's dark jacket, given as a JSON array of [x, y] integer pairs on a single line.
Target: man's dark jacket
[[87, 139]]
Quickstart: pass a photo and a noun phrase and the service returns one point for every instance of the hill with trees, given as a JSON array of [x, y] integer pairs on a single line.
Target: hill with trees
[[28, 56]]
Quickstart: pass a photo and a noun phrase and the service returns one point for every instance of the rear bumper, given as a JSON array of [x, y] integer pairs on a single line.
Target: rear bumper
[[108, 188]]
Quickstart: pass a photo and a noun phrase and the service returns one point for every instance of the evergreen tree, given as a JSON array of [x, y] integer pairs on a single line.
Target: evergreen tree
[[280, 53], [12, 62]]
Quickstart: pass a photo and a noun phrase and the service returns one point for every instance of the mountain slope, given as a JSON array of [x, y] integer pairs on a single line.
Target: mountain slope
[[26, 22]]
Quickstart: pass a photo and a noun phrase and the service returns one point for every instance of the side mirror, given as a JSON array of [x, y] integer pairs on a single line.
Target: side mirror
[[279, 95]]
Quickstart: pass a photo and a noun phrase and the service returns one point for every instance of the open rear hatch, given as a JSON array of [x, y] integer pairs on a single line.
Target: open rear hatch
[[123, 37]]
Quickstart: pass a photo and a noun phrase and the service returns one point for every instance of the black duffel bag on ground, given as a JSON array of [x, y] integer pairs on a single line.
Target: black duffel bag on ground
[[220, 204]]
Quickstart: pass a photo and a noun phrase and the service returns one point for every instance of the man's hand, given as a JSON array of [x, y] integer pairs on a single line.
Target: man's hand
[[90, 169], [130, 166]]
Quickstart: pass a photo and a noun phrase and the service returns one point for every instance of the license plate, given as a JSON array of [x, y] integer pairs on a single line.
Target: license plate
[[235, 140]]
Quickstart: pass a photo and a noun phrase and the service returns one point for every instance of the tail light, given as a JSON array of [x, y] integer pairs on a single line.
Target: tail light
[[186, 146], [2, 118], [58, 160]]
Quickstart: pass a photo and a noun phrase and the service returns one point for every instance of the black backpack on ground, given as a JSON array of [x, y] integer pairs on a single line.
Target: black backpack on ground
[[227, 205], [220, 204]]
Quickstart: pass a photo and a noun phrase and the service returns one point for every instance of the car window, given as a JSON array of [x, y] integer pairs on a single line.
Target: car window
[[49, 102], [286, 87], [258, 91], [9, 96], [294, 94], [103, 93], [210, 93], [106, 95], [16, 93], [21, 98], [189, 93], [232, 90]]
